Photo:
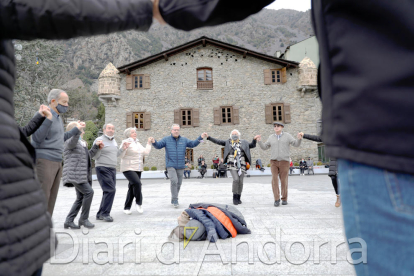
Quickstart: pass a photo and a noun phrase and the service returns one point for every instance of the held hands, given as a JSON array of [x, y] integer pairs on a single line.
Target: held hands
[[81, 125], [300, 135], [125, 145], [150, 140], [100, 144], [258, 138], [45, 111], [204, 135]]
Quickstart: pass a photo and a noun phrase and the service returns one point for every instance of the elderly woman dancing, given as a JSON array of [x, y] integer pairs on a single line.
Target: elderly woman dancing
[[236, 155], [132, 165]]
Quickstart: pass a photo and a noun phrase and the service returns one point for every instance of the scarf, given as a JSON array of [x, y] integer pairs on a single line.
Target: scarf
[[237, 155]]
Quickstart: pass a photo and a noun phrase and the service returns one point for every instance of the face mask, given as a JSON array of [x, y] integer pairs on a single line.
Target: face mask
[[235, 137], [61, 108]]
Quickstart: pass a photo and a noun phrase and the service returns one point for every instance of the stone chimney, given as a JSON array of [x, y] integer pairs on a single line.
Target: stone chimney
[[308, 76], [109, 90]]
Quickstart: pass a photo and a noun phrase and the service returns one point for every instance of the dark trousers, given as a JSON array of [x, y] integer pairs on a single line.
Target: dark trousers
[[302, 170], [134, 188], [222, 172], [107, 179], [187, 173], [335, 183], [166, 174], [84, 195]]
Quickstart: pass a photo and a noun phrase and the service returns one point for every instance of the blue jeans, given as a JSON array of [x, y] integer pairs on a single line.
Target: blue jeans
[[378, 206]]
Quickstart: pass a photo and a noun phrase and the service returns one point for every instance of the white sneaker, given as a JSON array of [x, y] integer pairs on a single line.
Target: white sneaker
[[128, 212], [139, 209]]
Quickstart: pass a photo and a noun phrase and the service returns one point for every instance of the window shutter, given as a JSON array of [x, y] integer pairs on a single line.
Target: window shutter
[[236, 119], [129, 82], [284, 77], [147, 82], [286, 108], [177, 116], [196, 117], [217, 118], [129, 120], [268, 114], [147, 120], [267, 76]]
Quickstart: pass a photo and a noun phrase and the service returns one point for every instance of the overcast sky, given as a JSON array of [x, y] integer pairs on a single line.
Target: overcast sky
[[299, 5]]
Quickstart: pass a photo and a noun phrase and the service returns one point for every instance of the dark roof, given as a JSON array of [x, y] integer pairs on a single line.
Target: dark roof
[[204, 41]]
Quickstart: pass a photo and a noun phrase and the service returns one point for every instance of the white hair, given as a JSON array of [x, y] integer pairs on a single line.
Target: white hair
[[54, 94], [128, 131], [174, 126], [238, 132], [104, 126]]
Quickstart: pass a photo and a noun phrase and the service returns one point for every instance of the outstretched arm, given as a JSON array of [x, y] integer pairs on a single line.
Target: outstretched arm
[[62, 19], [191, 14], [194, 143], [217, 141], [159, 145]]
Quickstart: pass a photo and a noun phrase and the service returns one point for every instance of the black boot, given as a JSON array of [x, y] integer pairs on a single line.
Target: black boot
[[86, 223], [70, 225], [235, 200], [238, 198]]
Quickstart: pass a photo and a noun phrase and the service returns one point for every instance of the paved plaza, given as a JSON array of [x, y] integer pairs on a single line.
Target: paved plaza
[[308, 232]]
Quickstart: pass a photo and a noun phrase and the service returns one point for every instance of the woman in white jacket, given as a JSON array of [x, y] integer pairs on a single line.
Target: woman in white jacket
[[132, 165]]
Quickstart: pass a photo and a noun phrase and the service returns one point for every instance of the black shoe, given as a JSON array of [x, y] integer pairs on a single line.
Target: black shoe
[[284, 202], [235, 200], [277, 203], [99, 217], [86, 223], [238, 198], [107, 218], [70, 225]]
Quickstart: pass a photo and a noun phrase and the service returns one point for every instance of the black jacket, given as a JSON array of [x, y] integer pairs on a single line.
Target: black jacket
[[367, 80], [24, 221], [333, 169], [245, 147]]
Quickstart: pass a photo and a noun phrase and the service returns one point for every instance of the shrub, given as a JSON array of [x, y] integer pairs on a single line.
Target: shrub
[[296, 164], [192, 167], [268, 165], [319, 163], [153, 168], [212, 167], [146, 169]]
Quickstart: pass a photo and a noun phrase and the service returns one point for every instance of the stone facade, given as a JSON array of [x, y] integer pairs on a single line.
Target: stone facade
[[237, 82], [308, 73]]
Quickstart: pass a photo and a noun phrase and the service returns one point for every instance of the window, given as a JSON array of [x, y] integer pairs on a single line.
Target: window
[[186, 118], [226, 115], [276, 76], [277, 112], [138, 120], [138, 81], [204, 78], [189, 153]]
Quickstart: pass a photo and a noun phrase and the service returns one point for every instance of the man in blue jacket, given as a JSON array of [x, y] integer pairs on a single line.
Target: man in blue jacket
[[175, 146]]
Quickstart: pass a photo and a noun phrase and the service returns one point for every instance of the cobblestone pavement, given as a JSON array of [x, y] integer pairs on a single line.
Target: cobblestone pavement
[[306, 231]]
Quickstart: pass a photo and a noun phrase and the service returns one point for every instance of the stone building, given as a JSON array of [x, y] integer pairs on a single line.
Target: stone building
[[209, 86]]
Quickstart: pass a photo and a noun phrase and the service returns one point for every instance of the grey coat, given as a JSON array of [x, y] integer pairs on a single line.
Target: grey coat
[[77, 168], [245, 146]]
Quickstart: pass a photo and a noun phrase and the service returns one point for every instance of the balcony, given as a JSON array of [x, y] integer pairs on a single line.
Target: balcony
[[204, 85]]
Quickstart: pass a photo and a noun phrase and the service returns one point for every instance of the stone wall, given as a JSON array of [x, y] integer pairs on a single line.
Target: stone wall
[[239, 83]]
